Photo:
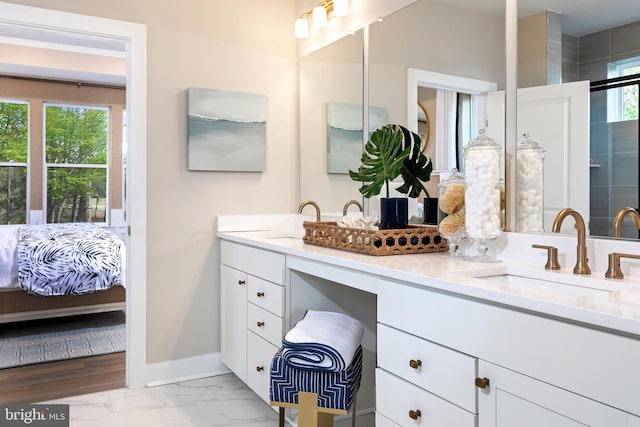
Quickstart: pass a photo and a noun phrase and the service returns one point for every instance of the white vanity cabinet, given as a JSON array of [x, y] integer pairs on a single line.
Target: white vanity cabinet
[[252, 312], [443, 357], [513, 399], [540, 371]]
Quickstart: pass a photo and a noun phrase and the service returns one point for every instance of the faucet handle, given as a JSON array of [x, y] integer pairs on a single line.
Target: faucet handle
[[552, 257], [614, 271]]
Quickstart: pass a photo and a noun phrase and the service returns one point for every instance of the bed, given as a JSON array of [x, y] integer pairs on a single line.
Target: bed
[[55, 270]]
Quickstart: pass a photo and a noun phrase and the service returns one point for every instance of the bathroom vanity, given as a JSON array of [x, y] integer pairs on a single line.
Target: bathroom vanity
[[447, 342]]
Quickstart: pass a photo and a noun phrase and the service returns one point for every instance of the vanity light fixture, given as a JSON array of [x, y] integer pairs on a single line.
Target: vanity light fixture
[[320, 15]]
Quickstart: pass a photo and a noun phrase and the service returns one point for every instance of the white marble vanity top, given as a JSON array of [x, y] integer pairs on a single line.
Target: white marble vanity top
[[586, 300]]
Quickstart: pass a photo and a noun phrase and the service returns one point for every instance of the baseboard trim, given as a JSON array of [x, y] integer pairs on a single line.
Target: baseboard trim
[[189, 368]]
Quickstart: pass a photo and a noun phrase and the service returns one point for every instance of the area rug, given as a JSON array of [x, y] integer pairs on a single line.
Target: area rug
[[38, 341]]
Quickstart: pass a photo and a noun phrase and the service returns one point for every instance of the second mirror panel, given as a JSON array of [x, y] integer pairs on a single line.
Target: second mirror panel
[[457, 42]]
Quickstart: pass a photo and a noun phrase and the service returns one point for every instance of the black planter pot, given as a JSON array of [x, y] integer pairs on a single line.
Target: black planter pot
[[431, 211], [394, 212]]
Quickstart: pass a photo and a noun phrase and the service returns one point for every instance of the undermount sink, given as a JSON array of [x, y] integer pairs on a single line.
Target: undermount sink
[[547, 281]]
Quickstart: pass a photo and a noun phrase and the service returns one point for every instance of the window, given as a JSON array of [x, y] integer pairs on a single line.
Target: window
[[14, 149], [76, 142], [623, 101]]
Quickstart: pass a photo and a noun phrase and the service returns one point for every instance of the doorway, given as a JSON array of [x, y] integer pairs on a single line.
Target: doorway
[[42, 25]]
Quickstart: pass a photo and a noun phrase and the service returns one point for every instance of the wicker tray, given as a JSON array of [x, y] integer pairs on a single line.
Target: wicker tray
[[412, 240]]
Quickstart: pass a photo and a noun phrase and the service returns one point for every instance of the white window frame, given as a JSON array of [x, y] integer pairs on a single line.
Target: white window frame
[[23, 164], [615, 97], [46, 165]]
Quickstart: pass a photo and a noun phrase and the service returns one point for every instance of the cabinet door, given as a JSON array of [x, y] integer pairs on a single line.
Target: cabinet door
[[259, 356], [512, 399], [233, 320]]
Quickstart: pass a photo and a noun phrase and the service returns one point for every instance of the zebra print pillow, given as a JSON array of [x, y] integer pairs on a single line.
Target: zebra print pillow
[[68, 259]]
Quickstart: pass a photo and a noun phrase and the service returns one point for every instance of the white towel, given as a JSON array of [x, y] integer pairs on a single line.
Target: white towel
[[323, 340]]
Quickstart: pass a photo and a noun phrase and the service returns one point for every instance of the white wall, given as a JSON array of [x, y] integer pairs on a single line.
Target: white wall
[[242, 46]]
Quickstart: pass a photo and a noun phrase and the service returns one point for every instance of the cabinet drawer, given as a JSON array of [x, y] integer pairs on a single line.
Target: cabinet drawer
[[396, 399], [440, 370], [266, 295], [257, 262], [259, 356], [382, 421], [265, 324]]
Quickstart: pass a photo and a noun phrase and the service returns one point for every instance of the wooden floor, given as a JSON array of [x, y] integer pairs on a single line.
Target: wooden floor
[[54, 380]]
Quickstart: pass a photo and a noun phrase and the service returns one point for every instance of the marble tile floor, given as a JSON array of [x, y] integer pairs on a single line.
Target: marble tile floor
[[222, 400]]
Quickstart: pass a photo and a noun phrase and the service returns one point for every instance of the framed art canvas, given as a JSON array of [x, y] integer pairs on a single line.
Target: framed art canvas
[[227, 131]]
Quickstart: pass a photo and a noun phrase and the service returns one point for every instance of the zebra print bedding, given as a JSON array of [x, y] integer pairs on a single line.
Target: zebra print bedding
[[68, 259]]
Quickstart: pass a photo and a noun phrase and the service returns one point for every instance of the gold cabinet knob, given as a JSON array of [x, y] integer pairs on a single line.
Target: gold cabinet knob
[[482, 383], [415, 364], [414, 415], [241, 282], [260, 324], [260, 294], [259, 368]]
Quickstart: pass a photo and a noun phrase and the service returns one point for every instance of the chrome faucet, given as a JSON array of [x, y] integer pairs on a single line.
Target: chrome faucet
[[349, 203], [582, 262], [617, 222], [312, 203]]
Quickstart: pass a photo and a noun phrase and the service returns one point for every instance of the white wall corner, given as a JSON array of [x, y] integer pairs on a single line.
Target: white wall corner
[[189, 368]]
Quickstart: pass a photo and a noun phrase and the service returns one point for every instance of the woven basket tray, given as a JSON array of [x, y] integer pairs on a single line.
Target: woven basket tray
[[412, 240]]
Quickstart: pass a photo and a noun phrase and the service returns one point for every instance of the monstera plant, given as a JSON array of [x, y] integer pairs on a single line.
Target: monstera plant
[[393, 151]]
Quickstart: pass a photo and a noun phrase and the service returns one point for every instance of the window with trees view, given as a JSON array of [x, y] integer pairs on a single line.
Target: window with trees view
[[623, 101], [76, 153], [14, 149], [61, 152]]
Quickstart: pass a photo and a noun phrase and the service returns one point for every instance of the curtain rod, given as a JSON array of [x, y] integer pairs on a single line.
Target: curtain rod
[[67, 82]]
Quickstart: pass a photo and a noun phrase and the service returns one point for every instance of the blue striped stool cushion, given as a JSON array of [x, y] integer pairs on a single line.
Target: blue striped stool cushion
[[335, 390]]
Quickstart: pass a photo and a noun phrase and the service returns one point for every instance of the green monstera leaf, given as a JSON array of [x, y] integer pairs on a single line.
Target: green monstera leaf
[[416, 167], [393, 151]]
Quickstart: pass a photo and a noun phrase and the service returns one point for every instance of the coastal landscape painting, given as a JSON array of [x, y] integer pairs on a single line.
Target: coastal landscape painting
[[227, 130], [344, 134]]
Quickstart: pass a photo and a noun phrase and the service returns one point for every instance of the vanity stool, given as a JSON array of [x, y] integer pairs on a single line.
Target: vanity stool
[[317, 395], [318, 368]]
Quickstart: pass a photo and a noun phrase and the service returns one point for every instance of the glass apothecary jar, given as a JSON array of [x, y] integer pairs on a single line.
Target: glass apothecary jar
[[529, 186], [451, 211], [482, 193]]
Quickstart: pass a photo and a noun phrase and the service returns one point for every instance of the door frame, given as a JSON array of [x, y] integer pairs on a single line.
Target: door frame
[[134, 36]]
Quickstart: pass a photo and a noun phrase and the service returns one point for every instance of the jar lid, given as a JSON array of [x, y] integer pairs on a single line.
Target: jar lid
[[482, 141], [454, 178], [529, 144]]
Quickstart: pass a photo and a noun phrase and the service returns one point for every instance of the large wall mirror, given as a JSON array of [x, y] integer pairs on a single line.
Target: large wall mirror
[[331, 122], [589, 131], [444, 56]]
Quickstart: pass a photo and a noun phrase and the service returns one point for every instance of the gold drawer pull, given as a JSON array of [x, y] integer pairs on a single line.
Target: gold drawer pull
[[241, 282], [260, 294], [414, 415], [482, 383], [260, 324], [415, 364], [259, 368]]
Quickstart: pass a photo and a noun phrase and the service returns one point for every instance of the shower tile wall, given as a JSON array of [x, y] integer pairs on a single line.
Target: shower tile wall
[[614, 146]]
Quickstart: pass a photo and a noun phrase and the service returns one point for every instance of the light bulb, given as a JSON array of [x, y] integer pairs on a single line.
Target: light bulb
[[341, 7], [319, 17], [302, 28]]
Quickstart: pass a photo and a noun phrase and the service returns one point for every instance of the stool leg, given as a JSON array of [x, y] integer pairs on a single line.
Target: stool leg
[[353, 408], [281, 417], [307, 409]]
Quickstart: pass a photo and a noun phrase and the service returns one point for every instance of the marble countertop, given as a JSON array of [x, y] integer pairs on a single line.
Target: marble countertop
[[590, 300]]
